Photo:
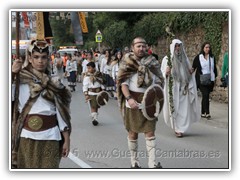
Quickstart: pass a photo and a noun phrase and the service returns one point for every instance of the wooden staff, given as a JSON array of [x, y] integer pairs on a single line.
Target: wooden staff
[[170, 37], [16, 97], [17, 34], [15, 109]]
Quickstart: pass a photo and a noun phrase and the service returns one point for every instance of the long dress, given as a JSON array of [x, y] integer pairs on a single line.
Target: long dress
[[186, 107]]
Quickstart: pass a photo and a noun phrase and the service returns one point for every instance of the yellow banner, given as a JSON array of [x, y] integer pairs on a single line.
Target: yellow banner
[[40, 26], [83, 22]]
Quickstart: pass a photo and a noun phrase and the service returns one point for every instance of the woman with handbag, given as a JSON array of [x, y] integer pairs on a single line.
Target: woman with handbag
[[206, 72]]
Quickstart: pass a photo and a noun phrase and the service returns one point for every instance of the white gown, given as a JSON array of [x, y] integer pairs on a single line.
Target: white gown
[[186, 107]]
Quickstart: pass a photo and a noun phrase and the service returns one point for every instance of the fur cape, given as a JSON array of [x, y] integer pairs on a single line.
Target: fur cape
[[96, 76], [130, 66]]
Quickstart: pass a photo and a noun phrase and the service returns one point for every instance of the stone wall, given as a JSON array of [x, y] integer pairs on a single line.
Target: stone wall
[[192, 42]]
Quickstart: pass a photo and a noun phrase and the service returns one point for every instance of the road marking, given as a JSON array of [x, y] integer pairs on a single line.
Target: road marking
[[78, 161]]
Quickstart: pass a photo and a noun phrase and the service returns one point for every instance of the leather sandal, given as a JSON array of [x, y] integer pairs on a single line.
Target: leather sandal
[[179, 134]]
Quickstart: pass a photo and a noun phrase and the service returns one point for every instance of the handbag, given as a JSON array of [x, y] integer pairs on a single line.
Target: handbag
[[205, 79]]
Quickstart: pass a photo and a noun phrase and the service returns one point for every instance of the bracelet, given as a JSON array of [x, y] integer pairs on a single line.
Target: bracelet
[[65, 129], [128, 97]]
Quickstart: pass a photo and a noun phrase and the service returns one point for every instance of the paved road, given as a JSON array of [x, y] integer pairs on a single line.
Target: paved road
[[205, 145]]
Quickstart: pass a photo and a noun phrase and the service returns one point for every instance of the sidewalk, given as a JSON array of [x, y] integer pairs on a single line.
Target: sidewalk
[[219, 113]]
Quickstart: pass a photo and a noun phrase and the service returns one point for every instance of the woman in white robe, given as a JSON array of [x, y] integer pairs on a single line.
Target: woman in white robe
[[185, 99]]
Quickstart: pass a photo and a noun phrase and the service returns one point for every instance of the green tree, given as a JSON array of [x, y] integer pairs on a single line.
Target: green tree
[[151, 27], [117, 27], [61, 31], [116, 35]]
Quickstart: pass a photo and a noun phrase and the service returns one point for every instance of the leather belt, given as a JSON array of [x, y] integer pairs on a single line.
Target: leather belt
[[37, 122], [137, 96], [96, 90]]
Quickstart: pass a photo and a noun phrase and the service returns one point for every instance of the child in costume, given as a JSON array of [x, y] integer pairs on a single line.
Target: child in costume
[[92, 86]]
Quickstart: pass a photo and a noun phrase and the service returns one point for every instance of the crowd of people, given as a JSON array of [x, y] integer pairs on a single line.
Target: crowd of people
[[126, 75], [74, 67]]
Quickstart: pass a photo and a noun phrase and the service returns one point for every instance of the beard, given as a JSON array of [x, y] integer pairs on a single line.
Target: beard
[[180, 61], [178, 52]]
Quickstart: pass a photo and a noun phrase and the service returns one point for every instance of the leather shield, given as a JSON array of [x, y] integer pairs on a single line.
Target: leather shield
[[152, 102], [102, 98]]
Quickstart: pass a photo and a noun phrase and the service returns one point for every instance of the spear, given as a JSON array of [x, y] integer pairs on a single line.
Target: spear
[[16, 97], [16, 76]]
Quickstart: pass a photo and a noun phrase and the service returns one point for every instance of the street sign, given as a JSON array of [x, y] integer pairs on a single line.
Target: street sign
[[98, 36]]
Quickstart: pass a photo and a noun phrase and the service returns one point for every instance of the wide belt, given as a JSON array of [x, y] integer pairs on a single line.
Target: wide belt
[[37, 122], [137, 96], [95, 90]]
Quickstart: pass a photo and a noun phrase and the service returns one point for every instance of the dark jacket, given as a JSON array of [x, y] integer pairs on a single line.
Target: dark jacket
[[197, 66]]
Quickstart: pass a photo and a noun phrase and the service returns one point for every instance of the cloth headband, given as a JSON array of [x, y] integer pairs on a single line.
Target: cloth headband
[[144, 42]]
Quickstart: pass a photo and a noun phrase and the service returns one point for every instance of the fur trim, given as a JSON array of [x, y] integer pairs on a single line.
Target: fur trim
[[96, 76], [129, 66], [53, 91]]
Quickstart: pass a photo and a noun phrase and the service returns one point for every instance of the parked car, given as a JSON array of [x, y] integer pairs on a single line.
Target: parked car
[[68, 50]]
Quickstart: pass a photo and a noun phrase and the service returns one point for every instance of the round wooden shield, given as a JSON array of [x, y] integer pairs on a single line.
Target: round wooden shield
[[152, 102], [102, 98]]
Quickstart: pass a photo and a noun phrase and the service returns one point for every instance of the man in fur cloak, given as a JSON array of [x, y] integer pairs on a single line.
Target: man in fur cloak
[[137, 72]]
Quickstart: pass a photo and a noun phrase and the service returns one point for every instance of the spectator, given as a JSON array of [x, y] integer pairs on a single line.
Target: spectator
[[224, 78], [204, 64]]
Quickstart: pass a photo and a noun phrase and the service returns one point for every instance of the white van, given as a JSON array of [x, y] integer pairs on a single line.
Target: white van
[[68, 51]]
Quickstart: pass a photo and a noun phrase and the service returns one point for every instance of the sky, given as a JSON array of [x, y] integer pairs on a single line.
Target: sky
[[124, 4]]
